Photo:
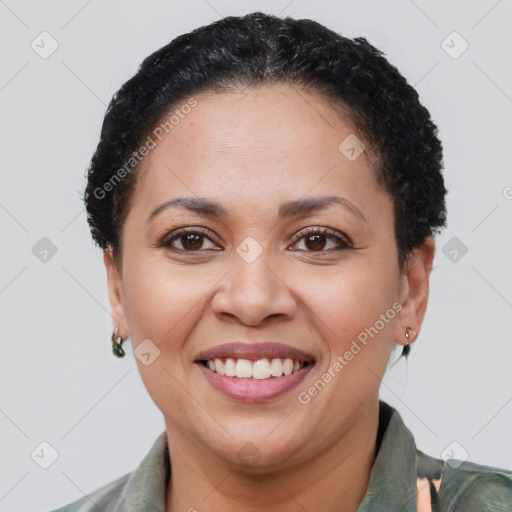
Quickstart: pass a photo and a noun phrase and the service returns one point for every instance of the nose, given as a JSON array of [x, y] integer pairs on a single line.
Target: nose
[[253, 292]]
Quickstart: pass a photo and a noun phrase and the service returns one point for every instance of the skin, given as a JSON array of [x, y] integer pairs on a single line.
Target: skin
[[250, 151]]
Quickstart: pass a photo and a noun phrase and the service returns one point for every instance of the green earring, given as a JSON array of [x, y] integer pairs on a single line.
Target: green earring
[[117, 341], [407, 348]]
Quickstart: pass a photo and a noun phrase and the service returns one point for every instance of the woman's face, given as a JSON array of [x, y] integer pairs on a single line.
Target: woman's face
[[249, 271]]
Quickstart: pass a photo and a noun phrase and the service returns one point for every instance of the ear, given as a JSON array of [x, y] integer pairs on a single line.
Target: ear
[[115, 292], [414, 288]]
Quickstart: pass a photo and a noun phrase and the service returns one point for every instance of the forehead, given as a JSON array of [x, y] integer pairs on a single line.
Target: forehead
[[265, 121], [255, 145]]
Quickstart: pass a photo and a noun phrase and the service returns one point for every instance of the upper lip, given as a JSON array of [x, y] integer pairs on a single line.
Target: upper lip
[[254, 351]]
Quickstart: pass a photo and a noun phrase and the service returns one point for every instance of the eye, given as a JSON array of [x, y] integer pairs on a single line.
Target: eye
[[315, 239], [190, 239]]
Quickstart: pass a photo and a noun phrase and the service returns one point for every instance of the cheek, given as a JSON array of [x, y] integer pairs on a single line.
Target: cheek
[[161, 301], [352, 299], [161, 304]]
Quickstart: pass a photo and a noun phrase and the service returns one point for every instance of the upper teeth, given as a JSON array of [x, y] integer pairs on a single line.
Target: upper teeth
[[261, 369]]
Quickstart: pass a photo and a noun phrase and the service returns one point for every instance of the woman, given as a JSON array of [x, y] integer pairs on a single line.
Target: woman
[[266, 193]]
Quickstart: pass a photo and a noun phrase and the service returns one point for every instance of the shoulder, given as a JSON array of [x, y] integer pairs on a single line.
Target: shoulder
[[103, 498], [469, 486]]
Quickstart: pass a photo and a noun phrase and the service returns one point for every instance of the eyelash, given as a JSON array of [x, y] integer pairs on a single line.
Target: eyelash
[[166, 241]]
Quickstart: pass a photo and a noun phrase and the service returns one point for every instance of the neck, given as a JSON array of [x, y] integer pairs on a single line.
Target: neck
[[335, 480]]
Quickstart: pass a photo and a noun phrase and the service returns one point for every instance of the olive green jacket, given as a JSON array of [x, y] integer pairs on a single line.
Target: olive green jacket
[[399, 471]]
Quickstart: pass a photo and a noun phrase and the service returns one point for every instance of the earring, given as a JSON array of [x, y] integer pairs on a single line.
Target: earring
[[407, 348], [117, 341]]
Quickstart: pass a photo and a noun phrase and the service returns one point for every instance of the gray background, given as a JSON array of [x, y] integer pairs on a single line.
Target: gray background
[[60, 382]]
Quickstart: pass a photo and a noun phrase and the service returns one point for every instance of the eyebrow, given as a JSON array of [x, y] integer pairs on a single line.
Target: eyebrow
[[296, 208]]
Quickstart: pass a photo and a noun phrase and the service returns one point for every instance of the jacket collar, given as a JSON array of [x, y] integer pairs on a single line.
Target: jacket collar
[[147, 485], [392, 484]]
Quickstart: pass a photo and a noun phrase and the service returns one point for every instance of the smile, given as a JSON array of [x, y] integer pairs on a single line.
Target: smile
[[254, 372], [259, 369]]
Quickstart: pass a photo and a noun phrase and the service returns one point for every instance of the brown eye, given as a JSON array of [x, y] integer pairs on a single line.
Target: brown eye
[[315, 242], [190, 240], [316, 239]]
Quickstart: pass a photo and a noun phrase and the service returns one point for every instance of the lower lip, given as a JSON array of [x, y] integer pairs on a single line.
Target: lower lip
[[254, 390]]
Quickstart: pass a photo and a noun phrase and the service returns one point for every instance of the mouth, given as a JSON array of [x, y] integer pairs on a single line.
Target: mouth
[[254, 372], [260, 369]]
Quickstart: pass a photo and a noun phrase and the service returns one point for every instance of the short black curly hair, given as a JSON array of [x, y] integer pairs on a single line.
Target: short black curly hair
[[259, 49]]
